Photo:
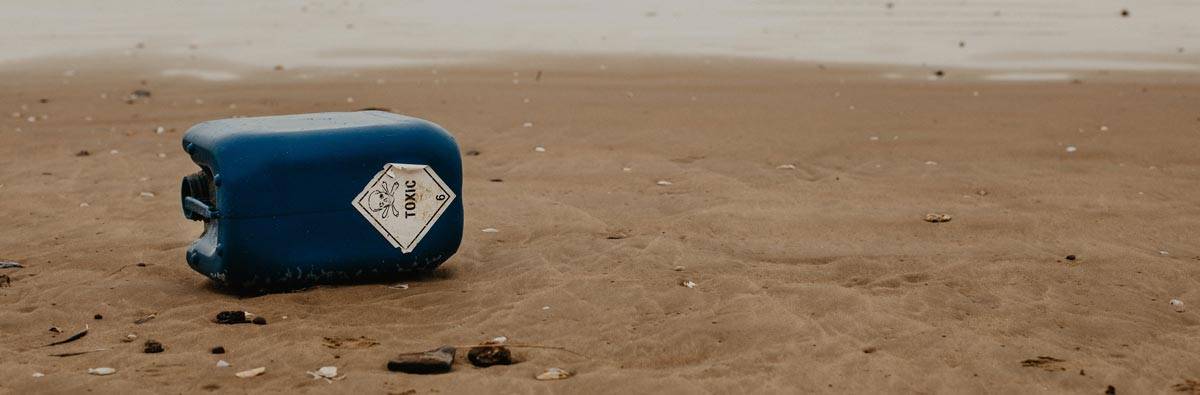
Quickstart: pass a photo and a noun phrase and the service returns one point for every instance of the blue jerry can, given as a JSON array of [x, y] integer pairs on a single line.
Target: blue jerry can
[[295, 200]]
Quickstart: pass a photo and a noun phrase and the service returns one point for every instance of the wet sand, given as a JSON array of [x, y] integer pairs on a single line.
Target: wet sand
[[817, 278]]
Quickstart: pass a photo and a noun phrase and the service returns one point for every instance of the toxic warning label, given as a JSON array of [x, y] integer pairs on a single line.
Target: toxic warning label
[[403, 202]]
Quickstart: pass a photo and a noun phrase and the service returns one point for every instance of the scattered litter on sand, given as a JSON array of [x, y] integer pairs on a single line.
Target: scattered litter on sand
[[101, 371], [688, 283], [245, 374], [553, 374], [10, 265], [428, 362], [937, 217], [74, 337]]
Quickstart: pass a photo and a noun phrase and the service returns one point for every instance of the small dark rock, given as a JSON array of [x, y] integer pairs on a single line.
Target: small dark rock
[[1110, 390], [870, 350], [141, 264], [232, 317], [259, 321], [98, 317], [472, 153], [152, 347], [83, 153], [428, 362], [497, 180], [139, 94], [940, 73], [43, 101], [1070, 257], [218, 350], [1124, 14], [489, 354]]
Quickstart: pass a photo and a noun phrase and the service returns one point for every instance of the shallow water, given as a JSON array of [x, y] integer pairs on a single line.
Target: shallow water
[[1000, 34]]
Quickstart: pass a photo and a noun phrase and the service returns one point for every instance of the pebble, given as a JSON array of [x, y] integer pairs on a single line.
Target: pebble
[[1177, 304], [146, 194], [1070, 257], [159, 130], [129, 338], [101, 371], [398, 286], [663, 183], [688, 284], [218, 350], [1071, 148], [245, 374], [234, 317], [38, 374], [152, 347], [222, 364], [428, 362], [678, 268], [491, 230], [786, 167], [553, 374], [539, 149], [259, 320], [527, 124]]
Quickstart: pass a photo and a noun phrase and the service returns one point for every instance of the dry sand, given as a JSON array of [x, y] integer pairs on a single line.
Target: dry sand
[[821, 278]]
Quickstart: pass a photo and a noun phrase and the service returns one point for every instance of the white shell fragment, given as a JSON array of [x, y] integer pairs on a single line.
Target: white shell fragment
[[38, 374], [539, 149], [553, 374], [1071, 148], [251, 373], [325, 372], [101, 371], [1177, 305], [398, 286], [491, 230], [222, 364], [663, 183], [688, 283], [786, 167]]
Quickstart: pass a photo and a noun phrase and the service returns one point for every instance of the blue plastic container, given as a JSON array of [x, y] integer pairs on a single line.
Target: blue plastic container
[[297, 200]]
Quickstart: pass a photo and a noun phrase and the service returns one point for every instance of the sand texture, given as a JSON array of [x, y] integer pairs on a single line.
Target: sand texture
[[820, 276]]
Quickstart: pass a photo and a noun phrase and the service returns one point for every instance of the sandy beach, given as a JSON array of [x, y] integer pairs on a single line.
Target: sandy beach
[[794, 200]]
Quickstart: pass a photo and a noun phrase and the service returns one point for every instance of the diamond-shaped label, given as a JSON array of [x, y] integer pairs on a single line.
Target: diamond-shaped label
[[402, 202]]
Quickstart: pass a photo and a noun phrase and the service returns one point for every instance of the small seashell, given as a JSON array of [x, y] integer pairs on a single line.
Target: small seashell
[[222, 364], [787, 167], [1071, 148], [937, 217], [101, 371], [38, 374], [159, 130], [491, 230], [539, 149], [245, 374], [325, 372], [663, 183], [146, 194], [688, 283], [553, 374]]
